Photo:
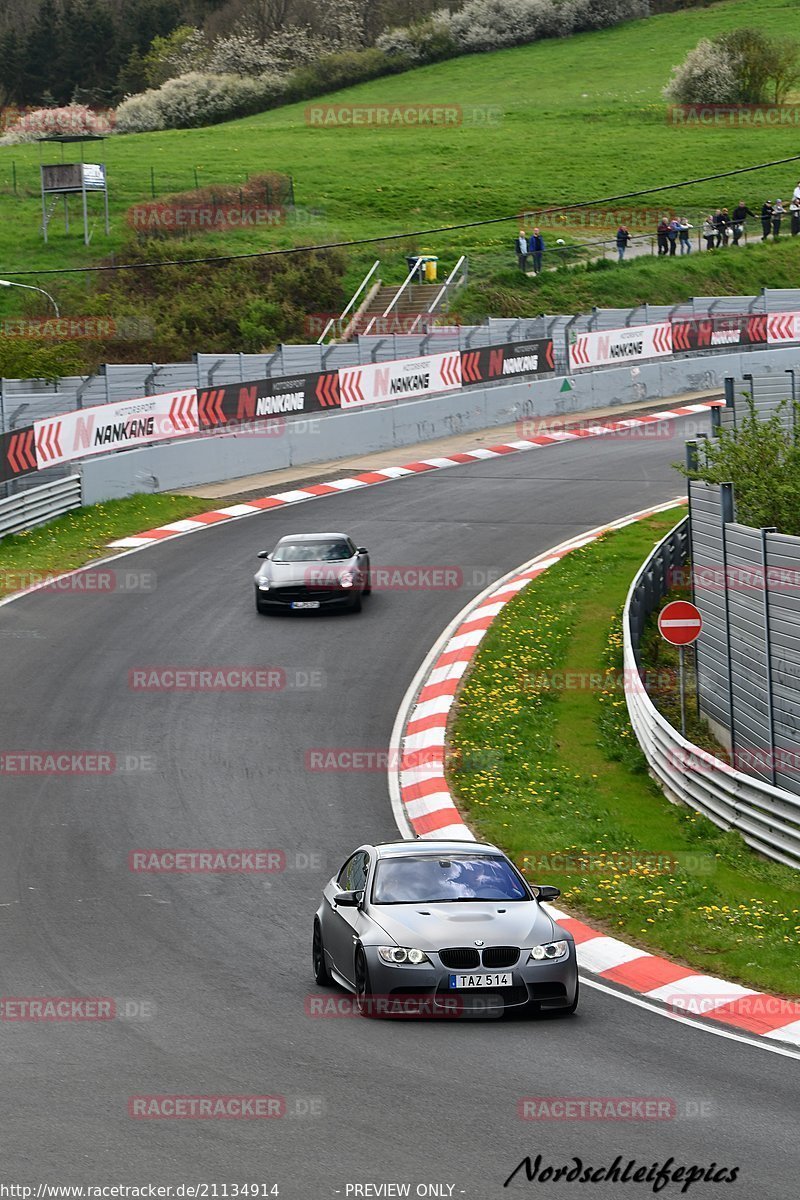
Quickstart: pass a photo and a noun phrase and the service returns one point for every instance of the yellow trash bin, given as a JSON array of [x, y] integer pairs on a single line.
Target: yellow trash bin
[[431, 264]]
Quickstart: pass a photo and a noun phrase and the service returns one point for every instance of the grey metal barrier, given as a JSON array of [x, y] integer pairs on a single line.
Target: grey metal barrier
[[767, 817], [39, 504], [746, 583]]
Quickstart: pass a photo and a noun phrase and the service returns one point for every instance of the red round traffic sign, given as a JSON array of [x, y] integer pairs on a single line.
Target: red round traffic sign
[[680, 623]]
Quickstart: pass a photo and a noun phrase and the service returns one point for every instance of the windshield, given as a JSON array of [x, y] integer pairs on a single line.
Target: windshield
[[327, 551], [428, 880]]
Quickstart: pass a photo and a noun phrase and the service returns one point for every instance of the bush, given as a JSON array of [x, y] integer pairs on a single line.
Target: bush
[[197, 99], [483, 25], [741, 67], [336, 71]]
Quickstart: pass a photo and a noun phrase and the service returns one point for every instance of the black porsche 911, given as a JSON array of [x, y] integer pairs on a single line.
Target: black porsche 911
[[313, 571]]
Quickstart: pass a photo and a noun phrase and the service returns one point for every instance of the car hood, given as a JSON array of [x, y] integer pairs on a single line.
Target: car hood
[[304, 572], [435, 926]]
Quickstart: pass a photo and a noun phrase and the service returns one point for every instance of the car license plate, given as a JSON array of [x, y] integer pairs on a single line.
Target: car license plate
[[305, 604], [494, 979]]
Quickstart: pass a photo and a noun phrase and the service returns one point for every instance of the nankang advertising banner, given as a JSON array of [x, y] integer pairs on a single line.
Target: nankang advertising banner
[[115, 427], [615, 347], [508, 361], [783, 327], [711, 333], [259, 400], [399, 379]]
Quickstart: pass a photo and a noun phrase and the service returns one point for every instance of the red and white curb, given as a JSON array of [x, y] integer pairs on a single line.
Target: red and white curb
[[385, 474], [424, 808]]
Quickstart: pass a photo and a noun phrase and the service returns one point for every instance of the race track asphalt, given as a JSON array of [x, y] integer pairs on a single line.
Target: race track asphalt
[[222, 963]]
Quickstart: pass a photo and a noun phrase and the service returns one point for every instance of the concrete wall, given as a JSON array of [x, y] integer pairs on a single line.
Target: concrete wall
[[305, 440]]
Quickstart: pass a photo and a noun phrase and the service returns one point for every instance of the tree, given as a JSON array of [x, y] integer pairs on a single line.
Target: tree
[[741, 67], [41, 58], [761, 458]]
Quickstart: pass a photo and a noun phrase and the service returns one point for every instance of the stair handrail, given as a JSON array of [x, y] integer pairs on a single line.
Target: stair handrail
[[443, 289], [353, 298], [396, 297]]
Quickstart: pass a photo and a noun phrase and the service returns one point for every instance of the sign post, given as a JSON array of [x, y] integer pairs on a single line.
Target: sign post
[[679, 623]]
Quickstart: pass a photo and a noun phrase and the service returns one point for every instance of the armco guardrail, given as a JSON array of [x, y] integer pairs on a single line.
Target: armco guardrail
[[38, 505], [767, 818]]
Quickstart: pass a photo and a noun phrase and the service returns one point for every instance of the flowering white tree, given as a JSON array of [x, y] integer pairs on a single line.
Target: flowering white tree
[[706, 75]]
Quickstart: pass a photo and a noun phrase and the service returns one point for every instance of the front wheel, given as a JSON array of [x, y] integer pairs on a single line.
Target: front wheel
[[356, 605], [321, 974]]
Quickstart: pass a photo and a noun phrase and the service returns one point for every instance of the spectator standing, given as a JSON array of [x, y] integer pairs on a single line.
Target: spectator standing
[[778, 212], [683, 236], [672, 234], [719, 225], [725, 225], [739, 216], [794, 215], [623, 237], [521, 250], [710, 232], [766, 219], [796, 193], [661, 235], [536, 250]]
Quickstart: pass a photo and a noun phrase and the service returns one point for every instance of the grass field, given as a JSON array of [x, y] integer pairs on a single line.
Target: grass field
[[81, 536], [552, 772], [580, 118]]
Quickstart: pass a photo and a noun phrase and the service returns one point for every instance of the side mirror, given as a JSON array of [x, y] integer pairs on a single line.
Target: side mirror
[[265, 554], [348, 899], [547, 893], [362, 550]]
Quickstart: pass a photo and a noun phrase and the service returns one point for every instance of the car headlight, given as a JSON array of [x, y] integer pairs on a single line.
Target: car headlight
[[263, 585], [346, 578], [549, 950], [399, 954]]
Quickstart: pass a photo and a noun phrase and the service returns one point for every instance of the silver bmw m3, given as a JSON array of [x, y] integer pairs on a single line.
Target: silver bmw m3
[[450, 925]]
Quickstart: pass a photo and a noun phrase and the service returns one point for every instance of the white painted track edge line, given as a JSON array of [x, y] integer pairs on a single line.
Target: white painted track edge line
[[756, 1041]]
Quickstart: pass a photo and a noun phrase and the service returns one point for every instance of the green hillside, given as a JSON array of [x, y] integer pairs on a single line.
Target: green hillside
[[580, 118]]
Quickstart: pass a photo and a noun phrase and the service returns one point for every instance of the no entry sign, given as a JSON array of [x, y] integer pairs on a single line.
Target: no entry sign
[[680, 623]]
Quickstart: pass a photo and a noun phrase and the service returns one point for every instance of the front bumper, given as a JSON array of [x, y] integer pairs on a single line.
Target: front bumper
[[547, 985], [333, 598]]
